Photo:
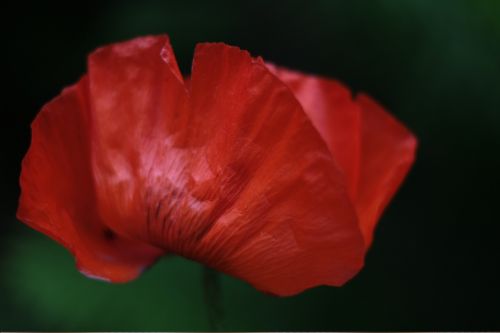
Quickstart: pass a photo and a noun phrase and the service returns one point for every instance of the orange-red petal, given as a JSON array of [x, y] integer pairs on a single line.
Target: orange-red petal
[[58, 193], [334, 114], [282, 220], [373, 149], [139, 113]]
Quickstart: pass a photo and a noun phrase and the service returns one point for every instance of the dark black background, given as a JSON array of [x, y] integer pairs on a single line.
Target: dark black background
[[434, 264]]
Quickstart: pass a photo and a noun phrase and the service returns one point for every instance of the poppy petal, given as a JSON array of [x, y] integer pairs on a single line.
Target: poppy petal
[[283, 220], [387, 153], [334, 114], [58, 194], [373, 149], [140, 109]]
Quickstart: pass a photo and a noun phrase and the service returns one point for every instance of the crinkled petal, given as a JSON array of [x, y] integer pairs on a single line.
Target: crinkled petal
[[140, 111], [58, 193], [373, 149], [333, 113], [282, 218]]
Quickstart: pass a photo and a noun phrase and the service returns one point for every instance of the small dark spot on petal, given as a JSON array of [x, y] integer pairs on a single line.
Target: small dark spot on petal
[[109, 234]]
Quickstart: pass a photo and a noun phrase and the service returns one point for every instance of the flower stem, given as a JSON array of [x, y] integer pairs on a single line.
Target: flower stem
[[212, 296]]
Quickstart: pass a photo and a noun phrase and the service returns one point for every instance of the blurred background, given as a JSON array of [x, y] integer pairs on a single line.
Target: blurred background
[[435, 261]]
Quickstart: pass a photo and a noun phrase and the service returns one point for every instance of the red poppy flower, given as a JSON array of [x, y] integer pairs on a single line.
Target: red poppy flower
[[266, 174]]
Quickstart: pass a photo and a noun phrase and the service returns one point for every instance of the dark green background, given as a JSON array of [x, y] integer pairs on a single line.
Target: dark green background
[[435, 64]]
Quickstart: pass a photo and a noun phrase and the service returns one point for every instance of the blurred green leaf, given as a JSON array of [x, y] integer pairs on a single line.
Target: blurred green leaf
[[47, 287]]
